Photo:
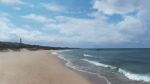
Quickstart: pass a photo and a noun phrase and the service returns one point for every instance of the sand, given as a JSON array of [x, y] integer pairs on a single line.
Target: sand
[[35, 67]]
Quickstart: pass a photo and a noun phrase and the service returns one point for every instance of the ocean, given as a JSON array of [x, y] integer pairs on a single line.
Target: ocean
[[117, 66]]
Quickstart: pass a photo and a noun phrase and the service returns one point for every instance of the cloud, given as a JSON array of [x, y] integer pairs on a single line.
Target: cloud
[[116, 6], [17, 8], [12, 2], [98, 30], [72, 31], [9, 31], [35, 17], [144, 12], [53, 7]]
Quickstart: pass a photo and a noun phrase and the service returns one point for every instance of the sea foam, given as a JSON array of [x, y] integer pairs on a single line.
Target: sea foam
[[129, 75], [70, 65], [87, 55], [133, 76], [99, 64]]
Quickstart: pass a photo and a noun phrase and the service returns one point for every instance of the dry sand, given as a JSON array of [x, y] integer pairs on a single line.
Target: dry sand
[[35, 67]]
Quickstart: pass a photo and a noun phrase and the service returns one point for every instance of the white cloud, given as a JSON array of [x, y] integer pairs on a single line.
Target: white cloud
[[116, 6], [17, 8], [98, 30], [9, 31], [12, 2], [144, 12], [35, 17], [53, 7], [80, 31]]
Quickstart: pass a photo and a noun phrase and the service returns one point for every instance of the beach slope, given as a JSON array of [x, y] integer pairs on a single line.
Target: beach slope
[[35, 67]]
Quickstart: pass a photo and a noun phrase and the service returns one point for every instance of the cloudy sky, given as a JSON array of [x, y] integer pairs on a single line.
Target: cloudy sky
[[76, 23]]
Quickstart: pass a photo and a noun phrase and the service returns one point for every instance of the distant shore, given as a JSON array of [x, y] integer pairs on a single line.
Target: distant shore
[[35, 67], [4, 46]]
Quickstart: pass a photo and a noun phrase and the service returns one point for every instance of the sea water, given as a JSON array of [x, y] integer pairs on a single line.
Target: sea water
[[117, 66]]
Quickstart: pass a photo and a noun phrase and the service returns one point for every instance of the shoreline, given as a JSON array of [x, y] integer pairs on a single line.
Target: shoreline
[[35, 67], [92, 77], [96, 78]]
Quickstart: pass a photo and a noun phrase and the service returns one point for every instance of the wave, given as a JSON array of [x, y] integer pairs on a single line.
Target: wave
[[70, 65], [56, 52], [129, 75], [99, 64], [135, 77], [87, 55]]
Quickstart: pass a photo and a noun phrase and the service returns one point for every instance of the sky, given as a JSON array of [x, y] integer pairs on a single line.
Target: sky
[[77, 23]]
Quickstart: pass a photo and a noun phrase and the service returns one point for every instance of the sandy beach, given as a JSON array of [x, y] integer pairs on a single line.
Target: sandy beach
[[35, 67]]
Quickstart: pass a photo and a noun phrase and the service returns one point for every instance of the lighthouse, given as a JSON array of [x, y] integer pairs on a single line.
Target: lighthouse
[[20, 42]]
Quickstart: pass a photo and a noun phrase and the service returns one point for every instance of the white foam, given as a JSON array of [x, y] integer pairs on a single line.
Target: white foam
[[56, 52], [70, 65], [129, 75], [64, 50], [99, 64], [86, 55], [136, 77]]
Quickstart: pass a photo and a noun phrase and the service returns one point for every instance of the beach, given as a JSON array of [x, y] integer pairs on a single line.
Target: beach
[[35, 67]]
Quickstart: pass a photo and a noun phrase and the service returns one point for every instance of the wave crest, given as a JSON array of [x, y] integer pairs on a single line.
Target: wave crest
[[136, 77], [99, 64], [87, 55], [129, 75]]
